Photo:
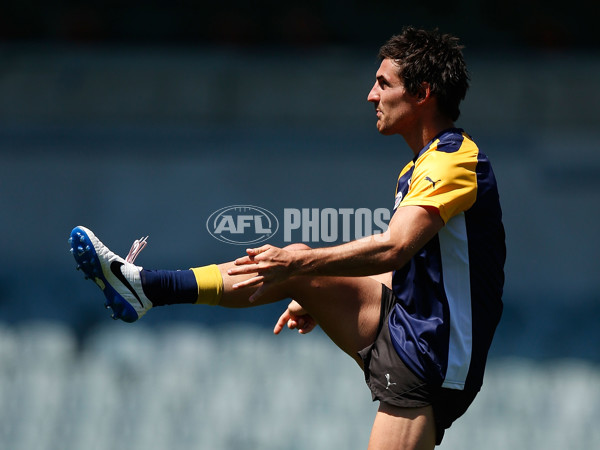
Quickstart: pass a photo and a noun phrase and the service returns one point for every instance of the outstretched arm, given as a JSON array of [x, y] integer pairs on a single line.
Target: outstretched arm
[[409, 230]]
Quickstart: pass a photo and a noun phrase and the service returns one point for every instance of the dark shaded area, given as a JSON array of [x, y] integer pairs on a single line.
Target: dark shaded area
[[513, 23]]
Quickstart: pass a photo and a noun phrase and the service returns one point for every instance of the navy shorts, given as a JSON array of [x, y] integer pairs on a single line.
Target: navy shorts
[[393, 383]]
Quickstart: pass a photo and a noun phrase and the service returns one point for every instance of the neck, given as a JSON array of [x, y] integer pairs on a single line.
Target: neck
[[421, 135]]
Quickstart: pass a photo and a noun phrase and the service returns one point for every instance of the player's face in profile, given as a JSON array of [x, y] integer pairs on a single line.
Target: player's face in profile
[[393, 104]]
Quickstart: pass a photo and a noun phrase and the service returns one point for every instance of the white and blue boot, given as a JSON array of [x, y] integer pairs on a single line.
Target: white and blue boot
[[118, 278]]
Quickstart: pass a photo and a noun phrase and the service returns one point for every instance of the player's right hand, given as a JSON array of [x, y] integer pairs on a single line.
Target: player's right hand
[[295, 317]]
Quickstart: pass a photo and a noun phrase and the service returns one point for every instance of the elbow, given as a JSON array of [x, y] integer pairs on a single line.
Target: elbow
[[397, 258], [393, 254], [400, 251]]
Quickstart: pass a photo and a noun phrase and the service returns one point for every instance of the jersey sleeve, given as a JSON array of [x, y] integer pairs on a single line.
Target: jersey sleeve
[[444, 180]]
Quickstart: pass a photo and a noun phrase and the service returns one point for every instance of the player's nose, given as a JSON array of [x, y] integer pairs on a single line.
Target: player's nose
[[373, 95]]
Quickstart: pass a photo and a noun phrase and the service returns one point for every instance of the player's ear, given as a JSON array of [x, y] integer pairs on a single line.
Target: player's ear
[[424, 92]]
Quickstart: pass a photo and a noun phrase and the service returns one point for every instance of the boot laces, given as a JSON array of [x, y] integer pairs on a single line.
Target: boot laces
[[136, 249]]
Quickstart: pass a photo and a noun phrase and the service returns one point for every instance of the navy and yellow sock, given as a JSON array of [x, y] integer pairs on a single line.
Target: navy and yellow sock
[[201, 285], [210, 284]]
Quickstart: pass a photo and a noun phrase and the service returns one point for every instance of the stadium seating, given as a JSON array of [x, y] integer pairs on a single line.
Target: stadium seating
[[181, 387]]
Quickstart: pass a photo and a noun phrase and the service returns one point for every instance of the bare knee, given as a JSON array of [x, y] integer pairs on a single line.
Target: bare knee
[[297, 246]]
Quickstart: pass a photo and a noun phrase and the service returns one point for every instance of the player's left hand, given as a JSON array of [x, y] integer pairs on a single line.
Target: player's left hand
[[272, 265]]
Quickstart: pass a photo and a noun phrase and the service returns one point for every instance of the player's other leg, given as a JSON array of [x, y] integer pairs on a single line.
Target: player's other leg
[[348, 309], [398, 428]]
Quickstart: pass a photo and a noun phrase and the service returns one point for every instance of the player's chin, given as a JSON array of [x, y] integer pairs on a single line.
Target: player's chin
[[386, 131]]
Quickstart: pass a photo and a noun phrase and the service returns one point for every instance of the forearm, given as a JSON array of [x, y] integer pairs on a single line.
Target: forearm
[[409, 230], [371, 255]]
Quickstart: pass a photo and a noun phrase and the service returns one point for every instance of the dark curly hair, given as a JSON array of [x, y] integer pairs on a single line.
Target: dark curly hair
[[432, 57]]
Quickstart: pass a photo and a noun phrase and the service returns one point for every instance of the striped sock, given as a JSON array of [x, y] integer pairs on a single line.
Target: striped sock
[[201, 285], [169, 287]]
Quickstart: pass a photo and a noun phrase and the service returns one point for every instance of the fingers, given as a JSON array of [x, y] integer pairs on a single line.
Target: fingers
[[254, 281], [295, 323], [304, 323], [308, 326], [265, 271], [251, 253], [283, 319], [287, 319], [256, 251], [247, 264], [244, 260]]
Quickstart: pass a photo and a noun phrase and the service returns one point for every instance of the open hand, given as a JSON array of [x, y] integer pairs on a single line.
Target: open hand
[[272, 265]]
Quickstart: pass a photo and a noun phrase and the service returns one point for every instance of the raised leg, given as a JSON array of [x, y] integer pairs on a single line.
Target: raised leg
[[346, 308]]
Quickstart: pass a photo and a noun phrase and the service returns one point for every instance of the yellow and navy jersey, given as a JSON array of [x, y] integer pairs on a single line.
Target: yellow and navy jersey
[[450, 293]]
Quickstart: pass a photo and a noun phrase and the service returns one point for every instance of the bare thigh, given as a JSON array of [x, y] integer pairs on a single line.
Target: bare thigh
[[403, 429], [346, 308]]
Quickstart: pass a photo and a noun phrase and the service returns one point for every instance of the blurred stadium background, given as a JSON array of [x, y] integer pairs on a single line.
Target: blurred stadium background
[[138, 118]]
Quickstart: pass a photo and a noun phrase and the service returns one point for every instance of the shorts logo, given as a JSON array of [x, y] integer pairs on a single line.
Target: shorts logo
[[242, 224], [389, 383]]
